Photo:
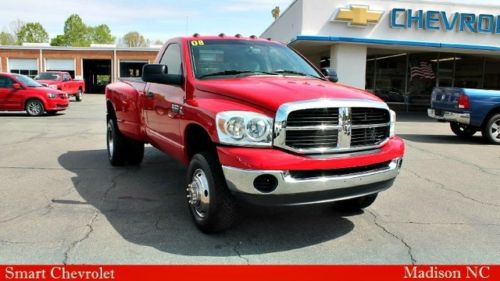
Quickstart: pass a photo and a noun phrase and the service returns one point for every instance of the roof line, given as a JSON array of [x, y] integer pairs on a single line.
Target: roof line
[[358, 40], [281, 14], [52, 48]]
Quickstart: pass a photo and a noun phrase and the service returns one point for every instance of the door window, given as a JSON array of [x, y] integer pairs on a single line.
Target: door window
[[5, 82], [172, 59]]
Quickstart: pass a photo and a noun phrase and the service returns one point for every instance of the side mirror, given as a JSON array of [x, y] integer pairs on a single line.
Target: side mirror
[[17, 86], [330, 73], [158, 73]]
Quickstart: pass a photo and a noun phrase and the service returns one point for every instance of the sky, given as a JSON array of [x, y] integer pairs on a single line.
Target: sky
[[155, 19], [158, 19]]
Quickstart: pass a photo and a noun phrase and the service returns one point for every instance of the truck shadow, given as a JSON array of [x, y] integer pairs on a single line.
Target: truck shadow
[[146, 205], [444, 139]]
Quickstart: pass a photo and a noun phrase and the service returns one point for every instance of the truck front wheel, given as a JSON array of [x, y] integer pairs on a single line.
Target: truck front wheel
[[461, 130], [356, 204], [212, 206], [491, 131]]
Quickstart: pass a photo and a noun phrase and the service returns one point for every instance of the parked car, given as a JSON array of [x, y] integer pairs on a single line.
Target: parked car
[[468, 111], [62, 81], [21, 93], [254, 121]]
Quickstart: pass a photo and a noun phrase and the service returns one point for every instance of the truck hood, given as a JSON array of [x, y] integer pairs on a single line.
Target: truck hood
[[271, 92]]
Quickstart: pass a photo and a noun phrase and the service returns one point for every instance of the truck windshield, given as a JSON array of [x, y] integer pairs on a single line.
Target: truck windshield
[[48, 76], [214, 59], [28, 82]]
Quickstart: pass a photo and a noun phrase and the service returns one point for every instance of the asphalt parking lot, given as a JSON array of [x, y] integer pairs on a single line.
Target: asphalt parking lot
[[61, 202]]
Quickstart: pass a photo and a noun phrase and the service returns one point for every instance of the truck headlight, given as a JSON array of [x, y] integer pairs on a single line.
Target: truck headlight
[[243, 128], [392, 131]]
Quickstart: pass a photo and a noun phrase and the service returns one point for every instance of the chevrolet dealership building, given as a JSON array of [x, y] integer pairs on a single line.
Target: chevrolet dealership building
[[398, 49]]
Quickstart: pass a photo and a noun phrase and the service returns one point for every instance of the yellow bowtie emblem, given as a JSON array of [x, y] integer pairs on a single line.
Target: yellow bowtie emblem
[[358, 15]]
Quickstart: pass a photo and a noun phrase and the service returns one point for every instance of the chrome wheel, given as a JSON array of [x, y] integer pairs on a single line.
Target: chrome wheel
[[198, 193], [494, 130], [34, 108], [110, 141]]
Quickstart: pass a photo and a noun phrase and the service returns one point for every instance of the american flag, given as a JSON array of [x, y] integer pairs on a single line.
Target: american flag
[[422, 71]]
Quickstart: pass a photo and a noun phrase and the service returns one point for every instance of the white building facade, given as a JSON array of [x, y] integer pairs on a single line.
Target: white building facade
[[398, 49]]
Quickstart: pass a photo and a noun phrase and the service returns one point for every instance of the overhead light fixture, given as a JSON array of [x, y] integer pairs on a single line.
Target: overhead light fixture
[[446, 59], [388, 57]]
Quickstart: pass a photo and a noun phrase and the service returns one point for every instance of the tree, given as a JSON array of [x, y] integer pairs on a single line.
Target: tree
[[135, 39], [7, 38], [59, 40], [32, 32], [76, 33], [158, 42], [101, 34], [15, 27]]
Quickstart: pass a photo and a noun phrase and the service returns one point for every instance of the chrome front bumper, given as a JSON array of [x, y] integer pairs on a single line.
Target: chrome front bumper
[[462, 118], [242, 182]]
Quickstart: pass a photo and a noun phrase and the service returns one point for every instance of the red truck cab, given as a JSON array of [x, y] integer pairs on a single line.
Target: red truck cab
[[62, 81], [254, 121], [21, 93]]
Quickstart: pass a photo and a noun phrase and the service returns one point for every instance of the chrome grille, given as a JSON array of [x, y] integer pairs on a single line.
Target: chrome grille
[[321, 128], [364, 116]]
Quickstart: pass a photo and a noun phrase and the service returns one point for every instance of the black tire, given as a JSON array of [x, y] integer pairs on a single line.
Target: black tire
[[135, 152], [122, 150], [220, 212], [79, 95], [116, 144], [34, 107], [462, 131], [356, 204], [491, 130]]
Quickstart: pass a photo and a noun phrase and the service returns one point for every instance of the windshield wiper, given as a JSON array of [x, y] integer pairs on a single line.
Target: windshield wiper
[[236, 72], [293, 72]]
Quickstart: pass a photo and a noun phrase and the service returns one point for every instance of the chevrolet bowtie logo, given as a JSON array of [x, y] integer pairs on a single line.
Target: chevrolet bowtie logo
[[358, 15]]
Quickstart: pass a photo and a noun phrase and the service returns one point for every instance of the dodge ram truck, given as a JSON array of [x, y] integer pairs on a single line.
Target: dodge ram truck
[[62, 81], [254, 122], [468, 111]]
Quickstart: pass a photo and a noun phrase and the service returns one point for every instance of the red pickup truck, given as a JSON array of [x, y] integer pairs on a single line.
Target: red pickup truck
[[62, 81], [19, 92], [254, 121]]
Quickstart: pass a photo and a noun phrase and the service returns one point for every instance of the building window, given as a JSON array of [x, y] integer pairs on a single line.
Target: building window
[[492, 74], [469, 72], [131, 68], [27, 72], [390, 77]]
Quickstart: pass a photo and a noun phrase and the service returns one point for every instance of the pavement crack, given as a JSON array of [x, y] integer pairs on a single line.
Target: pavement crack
[[90, 229], [237, 251], [408, 247], [443, 187]]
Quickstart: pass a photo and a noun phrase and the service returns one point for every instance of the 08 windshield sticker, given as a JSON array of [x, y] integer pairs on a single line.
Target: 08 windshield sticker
[[196, 43]]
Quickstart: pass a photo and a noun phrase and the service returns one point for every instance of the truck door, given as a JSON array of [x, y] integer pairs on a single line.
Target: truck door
[[68, 85], [163, 105]]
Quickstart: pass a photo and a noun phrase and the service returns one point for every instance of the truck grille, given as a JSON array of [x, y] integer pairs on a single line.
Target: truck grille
[[335, 129]]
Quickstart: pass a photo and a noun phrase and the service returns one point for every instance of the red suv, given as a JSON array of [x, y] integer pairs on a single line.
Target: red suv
[[21, 93]]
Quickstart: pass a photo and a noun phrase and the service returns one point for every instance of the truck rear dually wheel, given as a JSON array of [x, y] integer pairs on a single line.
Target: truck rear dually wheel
[[121, 149], [79, 95], [491, 131], [210, 202], [356, 204], [463, 131]]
